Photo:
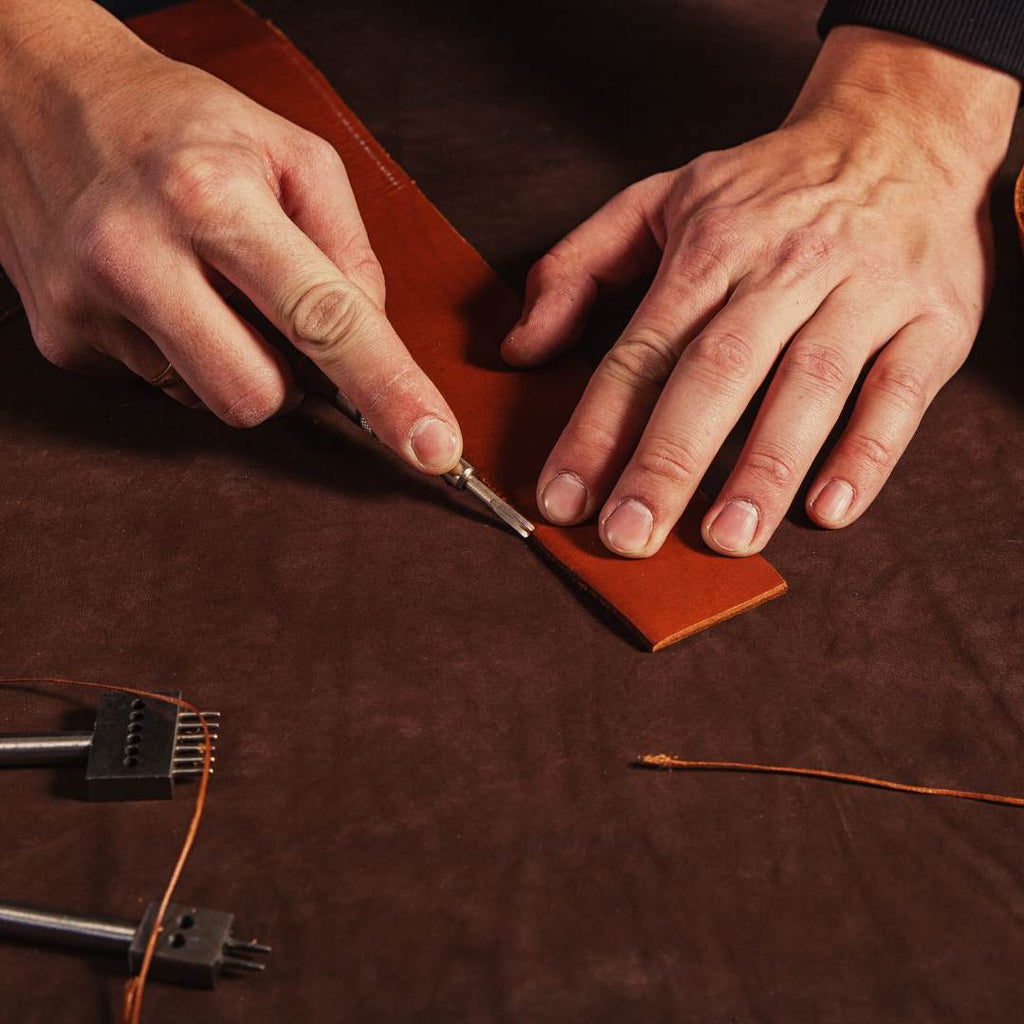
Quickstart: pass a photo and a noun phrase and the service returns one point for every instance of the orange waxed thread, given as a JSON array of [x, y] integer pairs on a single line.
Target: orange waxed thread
[[670, 762]]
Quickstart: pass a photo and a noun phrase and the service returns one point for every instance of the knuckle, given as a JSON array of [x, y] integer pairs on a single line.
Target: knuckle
[[322, 152], [65, 297], [553, 262], [195, 183], [870, 453], [806, 249], [700, 165], [554, 267], [698, 268], [209, 196], [712, 228], [817, 367], [593, 440], [638, 191], [104, 251], [361, 263], [642, 360], [948, 314], [668, 460], [723, 358], [773, 464], [251, 402], [876, 269], [66, 346], [326, 317], [53, 346], [953, 324], [900, 383]]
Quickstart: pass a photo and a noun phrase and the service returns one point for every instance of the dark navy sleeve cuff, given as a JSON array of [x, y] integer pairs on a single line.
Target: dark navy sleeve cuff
[[989, 31]]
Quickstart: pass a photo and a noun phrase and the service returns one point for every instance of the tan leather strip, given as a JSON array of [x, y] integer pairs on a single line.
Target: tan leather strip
[[452, 311], [669, 762]]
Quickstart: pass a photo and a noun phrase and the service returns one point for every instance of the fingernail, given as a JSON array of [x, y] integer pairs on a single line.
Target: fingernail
[[564, 498], [433, 443], [833, 501], [733, 528], [628, 529]]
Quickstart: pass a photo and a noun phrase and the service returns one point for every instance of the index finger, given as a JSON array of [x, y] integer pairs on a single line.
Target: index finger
[[330, 319]]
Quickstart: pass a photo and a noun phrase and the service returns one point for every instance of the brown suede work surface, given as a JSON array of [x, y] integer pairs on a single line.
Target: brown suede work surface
[[422, 797]]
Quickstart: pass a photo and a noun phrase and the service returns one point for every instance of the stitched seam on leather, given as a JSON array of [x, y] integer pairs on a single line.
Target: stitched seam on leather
[[315, 77], [327, 93]]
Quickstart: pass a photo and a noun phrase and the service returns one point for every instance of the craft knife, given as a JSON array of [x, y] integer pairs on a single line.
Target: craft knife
[[462, 478], [314, 381]]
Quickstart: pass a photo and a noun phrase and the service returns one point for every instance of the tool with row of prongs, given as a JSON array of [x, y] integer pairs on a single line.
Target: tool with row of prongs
[[195, 948], [189, 742], [136, 750]]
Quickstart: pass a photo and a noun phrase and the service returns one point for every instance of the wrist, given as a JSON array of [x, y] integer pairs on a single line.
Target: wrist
[[56, 54], [57, 61], [953, 111]]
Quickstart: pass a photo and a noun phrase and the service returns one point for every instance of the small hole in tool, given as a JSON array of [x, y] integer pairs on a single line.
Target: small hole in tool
[[135, 716], [131, 750], [138, 704], [130, 761], [134, 727], [187, 921], [177, 940]]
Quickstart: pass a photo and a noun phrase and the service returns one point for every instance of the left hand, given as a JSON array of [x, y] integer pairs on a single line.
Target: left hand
[[859, 228]]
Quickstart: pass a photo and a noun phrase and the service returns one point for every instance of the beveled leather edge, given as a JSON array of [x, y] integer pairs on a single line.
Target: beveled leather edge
[[1018, 205], [728, 613]]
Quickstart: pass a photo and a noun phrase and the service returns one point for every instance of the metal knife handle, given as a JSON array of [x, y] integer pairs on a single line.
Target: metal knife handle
[[462, 478], [344, 404]]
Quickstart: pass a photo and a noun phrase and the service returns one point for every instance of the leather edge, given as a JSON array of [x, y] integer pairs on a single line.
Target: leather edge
[[1018, 206], [696, 627]]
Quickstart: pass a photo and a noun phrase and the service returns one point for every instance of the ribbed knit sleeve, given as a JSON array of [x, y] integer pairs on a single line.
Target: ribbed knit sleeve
[[990, 31]]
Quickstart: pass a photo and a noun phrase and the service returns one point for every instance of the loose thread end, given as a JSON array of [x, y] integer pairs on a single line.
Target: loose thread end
[[664, 761]]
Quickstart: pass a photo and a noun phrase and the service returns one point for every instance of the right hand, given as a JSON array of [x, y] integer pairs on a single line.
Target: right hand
[[133, 186]]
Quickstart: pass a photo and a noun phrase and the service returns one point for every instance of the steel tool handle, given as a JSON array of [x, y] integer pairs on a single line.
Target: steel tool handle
[[44, 748], [55, 928]]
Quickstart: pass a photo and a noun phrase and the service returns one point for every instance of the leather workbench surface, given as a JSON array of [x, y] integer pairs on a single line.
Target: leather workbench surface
[[422, 798]]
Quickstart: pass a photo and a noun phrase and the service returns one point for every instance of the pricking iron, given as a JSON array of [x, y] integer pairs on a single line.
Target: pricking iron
[[195, 948], [137, 750]]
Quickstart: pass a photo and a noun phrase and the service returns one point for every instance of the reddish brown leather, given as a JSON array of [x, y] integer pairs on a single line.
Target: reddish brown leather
[[1018, 205], [452, 310]]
